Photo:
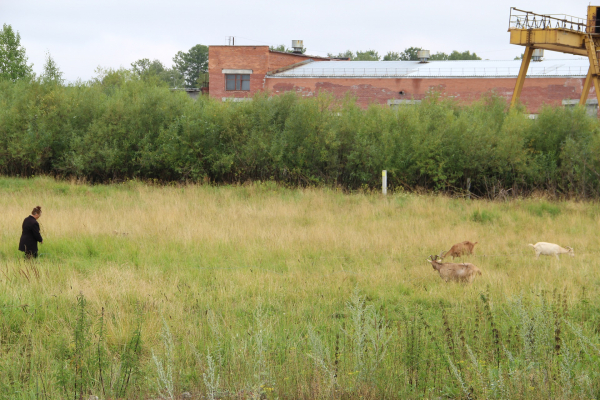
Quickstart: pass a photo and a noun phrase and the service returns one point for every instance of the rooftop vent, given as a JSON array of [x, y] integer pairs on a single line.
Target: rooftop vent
[[297, 46], [423, 56], [538, 55]]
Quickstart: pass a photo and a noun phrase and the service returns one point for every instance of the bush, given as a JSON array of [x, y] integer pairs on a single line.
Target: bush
[[119, 127]]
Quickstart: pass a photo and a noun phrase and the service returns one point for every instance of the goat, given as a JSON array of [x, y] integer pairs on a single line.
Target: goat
[[458, 250], [551, 249], [464, 272]]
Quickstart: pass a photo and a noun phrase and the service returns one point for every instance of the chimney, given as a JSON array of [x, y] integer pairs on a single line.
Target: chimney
[[423, 56], [297, 46]]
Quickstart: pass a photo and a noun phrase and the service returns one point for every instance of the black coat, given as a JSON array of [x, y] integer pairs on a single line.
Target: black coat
[[30, 236]]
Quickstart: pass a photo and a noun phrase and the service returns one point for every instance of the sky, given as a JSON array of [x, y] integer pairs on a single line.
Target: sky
[[82, 35]]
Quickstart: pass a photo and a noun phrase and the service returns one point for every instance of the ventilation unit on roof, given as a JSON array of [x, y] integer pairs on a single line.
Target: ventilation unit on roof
[[538, 55], [423, 56], [297, 46]]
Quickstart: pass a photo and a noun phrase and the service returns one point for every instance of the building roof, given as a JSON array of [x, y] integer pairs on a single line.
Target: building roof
[[299, 55], [574, 67], [272, 51]]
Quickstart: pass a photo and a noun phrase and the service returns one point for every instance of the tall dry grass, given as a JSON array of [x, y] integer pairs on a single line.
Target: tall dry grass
[[242, 275]]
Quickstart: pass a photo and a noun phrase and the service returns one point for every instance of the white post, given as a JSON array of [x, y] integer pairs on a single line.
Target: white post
[[384, 181]]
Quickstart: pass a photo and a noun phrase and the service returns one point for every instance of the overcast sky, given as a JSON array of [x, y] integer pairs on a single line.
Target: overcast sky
[[84, 34]]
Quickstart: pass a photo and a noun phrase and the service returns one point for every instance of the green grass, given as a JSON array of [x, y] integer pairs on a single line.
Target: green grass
[[542, 208], [484, 216], [259, 291]]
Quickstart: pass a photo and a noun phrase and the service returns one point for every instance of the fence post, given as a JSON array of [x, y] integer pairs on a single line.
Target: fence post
[[384, 181], [469, 188]]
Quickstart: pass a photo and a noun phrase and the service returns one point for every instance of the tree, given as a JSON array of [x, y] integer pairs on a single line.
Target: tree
[[145, 67], [347, 54], [281, 47], [465, 55], [368, 55], [13, 61], [392, 56], [173, 77], [410, 54], [439, 56], [148, 70], [192, 64], [51, 72], [519, 57], [284, 49]]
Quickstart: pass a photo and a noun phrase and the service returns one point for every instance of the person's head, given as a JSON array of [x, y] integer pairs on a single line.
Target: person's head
[[37, 212]]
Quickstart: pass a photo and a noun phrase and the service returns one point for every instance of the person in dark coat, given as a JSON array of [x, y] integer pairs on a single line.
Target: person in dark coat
[[31, 234]]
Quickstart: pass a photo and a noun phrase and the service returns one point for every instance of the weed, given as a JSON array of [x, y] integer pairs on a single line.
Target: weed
[[323, 363], [211, 378], [369, 335], [164, 364], [81, 344], [130, 361]]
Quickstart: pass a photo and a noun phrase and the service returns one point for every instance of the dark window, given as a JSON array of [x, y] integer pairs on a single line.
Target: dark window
[[237, 82]]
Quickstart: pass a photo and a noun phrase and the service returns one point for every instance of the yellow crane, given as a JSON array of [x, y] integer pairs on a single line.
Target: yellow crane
[[563, 33]]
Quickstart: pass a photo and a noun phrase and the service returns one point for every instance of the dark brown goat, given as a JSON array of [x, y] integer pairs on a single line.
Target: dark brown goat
[[459, 249]]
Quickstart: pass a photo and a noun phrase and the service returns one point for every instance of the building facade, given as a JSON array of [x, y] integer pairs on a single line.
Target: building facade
[[238, 72]]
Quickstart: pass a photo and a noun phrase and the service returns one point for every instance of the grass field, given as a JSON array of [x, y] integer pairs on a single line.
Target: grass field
[[259, 291]]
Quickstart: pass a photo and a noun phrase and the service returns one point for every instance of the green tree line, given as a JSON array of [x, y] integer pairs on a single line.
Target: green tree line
[[409, 54], [120, 126], [190, 69]]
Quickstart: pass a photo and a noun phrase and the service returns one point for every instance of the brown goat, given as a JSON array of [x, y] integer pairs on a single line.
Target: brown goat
[[459, 249], [464, 272]]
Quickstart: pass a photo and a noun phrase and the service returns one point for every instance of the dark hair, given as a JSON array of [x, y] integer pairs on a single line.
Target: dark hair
[[37, 211]]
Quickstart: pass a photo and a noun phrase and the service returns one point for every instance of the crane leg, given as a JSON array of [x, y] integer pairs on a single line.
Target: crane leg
[[594, 72], [597, 87], [522, 73], [586, 87]]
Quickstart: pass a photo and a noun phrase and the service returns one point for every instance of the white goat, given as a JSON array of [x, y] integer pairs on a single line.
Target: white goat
[[551, 249]]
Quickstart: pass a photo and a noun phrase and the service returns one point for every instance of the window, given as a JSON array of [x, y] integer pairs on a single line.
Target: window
[[397, 103], [237, 82]]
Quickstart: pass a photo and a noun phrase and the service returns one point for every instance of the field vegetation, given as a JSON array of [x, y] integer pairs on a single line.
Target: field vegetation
[[125, 126], [258, 291]]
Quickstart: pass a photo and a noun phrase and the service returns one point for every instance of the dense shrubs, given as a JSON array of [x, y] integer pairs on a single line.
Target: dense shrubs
[[119, 127]]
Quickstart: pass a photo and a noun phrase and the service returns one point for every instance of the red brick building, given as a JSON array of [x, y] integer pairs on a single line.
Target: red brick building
[[241, 71], [247, 68]]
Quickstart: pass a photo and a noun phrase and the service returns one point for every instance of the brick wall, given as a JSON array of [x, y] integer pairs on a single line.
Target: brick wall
[[536, 91], [257, 58]]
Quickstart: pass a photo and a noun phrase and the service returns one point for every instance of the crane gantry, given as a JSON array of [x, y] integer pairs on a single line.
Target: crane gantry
[[562, 33]]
